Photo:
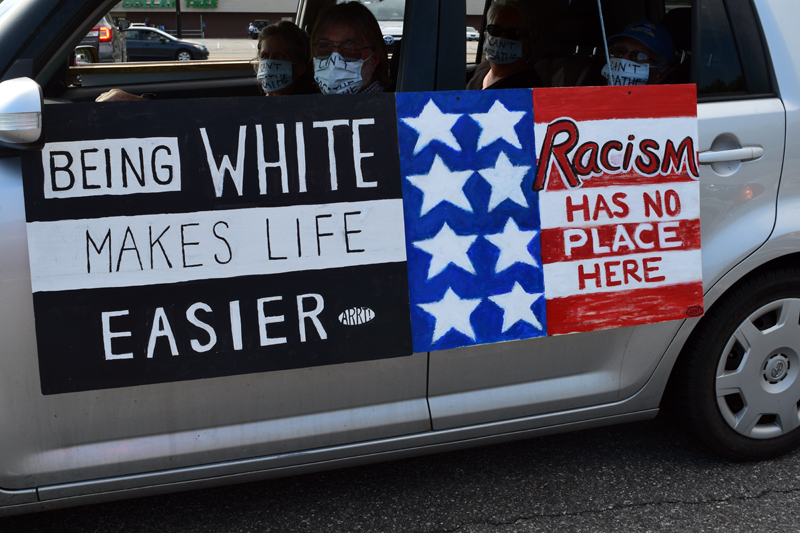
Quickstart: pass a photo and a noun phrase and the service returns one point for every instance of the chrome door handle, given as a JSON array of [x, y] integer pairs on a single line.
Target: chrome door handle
[[747, 153]]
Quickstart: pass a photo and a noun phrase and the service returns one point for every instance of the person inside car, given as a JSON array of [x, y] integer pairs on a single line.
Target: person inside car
[[509, 34], [642, 54], [285, 61], [348, 50]]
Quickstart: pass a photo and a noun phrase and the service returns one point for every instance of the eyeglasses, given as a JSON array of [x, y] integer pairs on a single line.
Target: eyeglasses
[[620, 52], [348, 49], [514, 34]]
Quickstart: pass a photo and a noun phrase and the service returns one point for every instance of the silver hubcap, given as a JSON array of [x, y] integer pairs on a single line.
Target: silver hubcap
[[757, 383], [184, 56]]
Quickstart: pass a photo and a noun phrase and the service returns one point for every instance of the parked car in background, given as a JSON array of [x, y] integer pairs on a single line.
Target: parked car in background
[[150, 44], [390, 18], [109, 41], [472, 34]]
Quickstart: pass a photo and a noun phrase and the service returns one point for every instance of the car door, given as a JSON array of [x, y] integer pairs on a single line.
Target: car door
[[736, 109], [136, 46], [116, 435]]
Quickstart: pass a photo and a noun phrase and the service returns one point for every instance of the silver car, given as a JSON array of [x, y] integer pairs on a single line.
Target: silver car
[[72, 434]]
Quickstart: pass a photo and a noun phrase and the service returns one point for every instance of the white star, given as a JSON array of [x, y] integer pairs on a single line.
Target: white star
[[516, 306], [451, 312], [433, 125], [513, 244], [441, 184], [447, 247], [497, 124], [506, 181]]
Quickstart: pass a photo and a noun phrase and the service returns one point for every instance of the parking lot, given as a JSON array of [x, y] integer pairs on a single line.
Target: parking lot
[[234, 49]]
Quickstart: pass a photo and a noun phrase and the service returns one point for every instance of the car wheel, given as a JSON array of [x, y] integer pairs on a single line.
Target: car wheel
[[183, 55], [738, 383]]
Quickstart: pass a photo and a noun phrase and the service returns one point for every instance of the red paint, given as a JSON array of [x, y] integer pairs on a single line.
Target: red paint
[[603, 103], [590, 312]]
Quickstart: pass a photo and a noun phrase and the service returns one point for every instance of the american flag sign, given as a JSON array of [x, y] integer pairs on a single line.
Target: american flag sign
[[548, 211]]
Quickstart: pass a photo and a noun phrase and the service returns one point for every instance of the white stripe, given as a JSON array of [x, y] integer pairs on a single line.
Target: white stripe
[[554, 213], [60, 261], [561, 279]]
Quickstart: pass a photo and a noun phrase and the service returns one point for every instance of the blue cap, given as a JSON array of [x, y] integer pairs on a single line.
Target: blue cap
[[652, 35]]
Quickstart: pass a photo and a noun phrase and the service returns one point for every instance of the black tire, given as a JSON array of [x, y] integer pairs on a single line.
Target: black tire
[[737, 384]]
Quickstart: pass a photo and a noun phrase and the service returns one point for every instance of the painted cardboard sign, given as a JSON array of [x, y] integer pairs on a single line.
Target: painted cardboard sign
[[590, 223], [267, 234], [248, 236]]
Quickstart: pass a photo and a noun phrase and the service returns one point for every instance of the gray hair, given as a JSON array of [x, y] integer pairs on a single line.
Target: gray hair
[[526, 16]]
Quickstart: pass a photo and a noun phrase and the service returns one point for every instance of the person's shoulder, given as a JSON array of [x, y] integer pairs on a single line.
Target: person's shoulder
[[475, 83]]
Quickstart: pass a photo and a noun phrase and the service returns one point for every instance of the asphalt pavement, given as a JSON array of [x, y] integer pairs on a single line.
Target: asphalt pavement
[[642, 477]]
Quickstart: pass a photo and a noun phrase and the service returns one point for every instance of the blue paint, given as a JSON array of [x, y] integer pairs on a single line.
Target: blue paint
[[486, 320]]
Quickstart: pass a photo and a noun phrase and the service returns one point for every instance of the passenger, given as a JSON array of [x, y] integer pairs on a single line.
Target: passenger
[[348, 51], [509, 34], [643, 54], [285, 61]]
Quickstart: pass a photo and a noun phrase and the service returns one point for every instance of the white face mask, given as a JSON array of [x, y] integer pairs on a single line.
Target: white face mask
[[274, 74], [626, 72], [502, 51], [337, 75]]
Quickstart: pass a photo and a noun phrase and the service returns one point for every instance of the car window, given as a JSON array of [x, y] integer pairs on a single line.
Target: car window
[[132, 35], [720, 67]]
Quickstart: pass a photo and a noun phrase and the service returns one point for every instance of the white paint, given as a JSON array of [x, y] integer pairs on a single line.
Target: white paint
[[356, 316], [358, 155], [161, 328], [498, 124], [108, 335], [553, 207], [516, 306], [451, 312], [329, 125], [263, 320], [191, 316], [236, 170], [280, 164], [433, 125], [173, 248], [441, 184], [513, 245], [310, 314], [236, 324], [111, 167], [445, 248], [562, 279], [505, 180]]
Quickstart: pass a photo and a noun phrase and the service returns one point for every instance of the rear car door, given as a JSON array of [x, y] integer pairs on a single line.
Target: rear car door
[[741, 136]]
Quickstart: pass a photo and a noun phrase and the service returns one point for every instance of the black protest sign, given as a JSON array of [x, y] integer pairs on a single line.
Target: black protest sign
[[193, 239]]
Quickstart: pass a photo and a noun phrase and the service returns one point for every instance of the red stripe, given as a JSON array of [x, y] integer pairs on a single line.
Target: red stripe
[[688, 233], [555, 183], [603, 103], [590, 312]]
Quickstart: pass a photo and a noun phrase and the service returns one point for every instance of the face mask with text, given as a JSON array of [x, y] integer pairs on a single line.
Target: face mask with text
[[626, 72], [274, 74], [502, 51], [336, 75]]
